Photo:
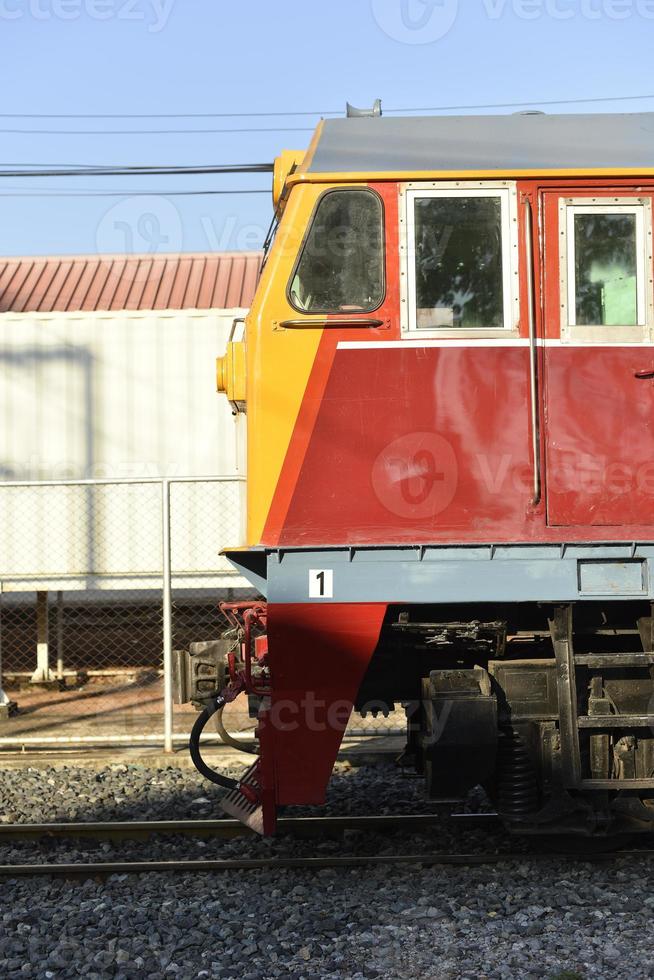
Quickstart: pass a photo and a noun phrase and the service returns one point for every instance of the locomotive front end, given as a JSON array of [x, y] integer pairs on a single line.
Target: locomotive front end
[[446, 378]]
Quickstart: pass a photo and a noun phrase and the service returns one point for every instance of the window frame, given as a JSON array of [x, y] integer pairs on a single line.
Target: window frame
[[641, 208], [354, 188], [506, 192]]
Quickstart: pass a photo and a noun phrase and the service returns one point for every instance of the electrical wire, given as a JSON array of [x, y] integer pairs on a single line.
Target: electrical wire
[[151, 132], [141, 170], [314, 112], [46, 170], [41, 164], [56, 192], [166, 115], [524, 105]]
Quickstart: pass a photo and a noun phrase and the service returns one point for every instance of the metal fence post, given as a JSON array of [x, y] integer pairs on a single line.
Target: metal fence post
[[167, 617], [60, 635], [42, 673], [4, 700], [7, 706]]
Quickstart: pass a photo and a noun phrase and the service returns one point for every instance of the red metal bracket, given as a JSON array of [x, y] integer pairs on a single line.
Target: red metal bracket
[[245, 616]]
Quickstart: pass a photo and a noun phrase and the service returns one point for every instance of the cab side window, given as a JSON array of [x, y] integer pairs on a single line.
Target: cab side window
[[606, 269], [458, 245], [606, 249], [341, 266], [461, 260]]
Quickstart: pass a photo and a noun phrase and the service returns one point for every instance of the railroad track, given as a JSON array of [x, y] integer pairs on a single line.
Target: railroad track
[[294, 826], [298, 827], [107, 869]]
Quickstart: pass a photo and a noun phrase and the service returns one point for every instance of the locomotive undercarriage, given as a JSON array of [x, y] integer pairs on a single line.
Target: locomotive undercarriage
[[549, 708]]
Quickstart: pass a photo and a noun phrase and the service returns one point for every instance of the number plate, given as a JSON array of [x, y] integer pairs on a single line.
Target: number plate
[[321, 583]]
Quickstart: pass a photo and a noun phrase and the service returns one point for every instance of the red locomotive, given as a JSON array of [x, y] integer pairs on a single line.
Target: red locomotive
[[448, 380]]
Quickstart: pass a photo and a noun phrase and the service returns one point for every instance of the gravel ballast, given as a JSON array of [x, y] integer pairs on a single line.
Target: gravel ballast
[[124, 791], [522, 920]]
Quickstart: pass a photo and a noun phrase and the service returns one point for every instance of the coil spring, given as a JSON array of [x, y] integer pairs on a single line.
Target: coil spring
[[517, 788]]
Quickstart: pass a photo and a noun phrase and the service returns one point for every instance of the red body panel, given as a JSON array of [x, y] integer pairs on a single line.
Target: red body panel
[[433, 444], [599, 418], [419, 444], [600, 436], [318, 657]]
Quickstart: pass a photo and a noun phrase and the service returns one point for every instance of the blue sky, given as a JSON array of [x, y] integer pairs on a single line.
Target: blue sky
[[215, 56]]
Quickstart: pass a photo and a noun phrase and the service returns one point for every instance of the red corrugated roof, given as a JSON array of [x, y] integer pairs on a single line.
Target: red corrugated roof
[[74, 283]]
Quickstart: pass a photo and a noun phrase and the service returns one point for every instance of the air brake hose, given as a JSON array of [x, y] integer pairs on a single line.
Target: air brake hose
[[216, 704]]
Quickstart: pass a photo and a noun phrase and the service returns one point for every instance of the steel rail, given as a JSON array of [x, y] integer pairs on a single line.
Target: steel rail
[[298, 826], [107, 869]]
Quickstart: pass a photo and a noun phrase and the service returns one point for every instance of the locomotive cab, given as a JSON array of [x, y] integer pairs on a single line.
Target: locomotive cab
[[447, 377]]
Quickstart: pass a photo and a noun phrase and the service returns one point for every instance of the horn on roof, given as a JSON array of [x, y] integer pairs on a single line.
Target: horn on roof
[[353, 113]]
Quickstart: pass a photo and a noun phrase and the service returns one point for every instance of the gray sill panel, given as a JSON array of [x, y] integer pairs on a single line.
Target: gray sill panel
[[510, 573], [613, 577]]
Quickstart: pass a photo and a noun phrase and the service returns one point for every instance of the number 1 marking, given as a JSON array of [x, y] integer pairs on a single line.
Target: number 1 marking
[[321, 583]]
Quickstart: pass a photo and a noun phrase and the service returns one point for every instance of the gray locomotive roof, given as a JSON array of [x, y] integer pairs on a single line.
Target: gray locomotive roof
[[503, 143]]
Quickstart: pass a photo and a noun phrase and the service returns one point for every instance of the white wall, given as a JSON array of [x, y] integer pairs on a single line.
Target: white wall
[[113, 395], [110, 396]]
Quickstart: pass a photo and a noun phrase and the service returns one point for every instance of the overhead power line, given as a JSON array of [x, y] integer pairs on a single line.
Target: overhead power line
[[142, 170], [56, 192], [314, 112], [91, 170], [525, 105], [151, 132], [50, 165], [168, 115]]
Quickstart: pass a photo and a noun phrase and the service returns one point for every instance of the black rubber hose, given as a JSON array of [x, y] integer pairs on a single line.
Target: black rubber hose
[[194, 746]]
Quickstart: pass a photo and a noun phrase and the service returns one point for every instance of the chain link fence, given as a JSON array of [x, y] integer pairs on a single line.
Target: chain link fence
[[87, 569], [99, 581]]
